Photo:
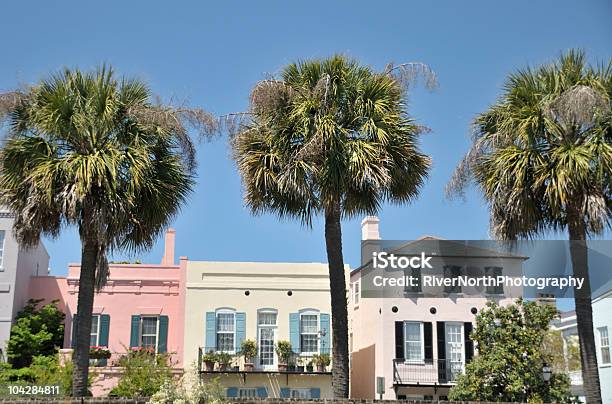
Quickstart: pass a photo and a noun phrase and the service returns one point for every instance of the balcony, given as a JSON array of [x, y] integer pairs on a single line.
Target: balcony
[[440, 372], [298, 363]]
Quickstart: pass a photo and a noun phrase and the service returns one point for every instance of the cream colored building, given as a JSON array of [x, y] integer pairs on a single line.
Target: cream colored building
[[228, 302]]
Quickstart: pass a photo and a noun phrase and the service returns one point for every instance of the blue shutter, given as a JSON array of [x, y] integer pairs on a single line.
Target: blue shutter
[[315, 392], [284, 392], [240, 330], [104, 329], [210, 331], [294, 331], [324, 325], [232, 392], [74, 332], [162, 344], [262, 392], [135, 332]]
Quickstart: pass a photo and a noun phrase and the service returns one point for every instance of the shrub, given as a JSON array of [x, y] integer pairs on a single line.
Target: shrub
[[189, 390], [144, 373], [248, 349], [284, 351]]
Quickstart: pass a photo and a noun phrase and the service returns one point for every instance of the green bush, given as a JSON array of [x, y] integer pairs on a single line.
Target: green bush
[[144, 373], [190, 389], [37, 332]]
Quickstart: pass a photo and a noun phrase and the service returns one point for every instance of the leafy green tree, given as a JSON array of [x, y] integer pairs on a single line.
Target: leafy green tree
[[542, 157], [511, 357], [89, 150], [144, 374], [37, 331], [331, 137]]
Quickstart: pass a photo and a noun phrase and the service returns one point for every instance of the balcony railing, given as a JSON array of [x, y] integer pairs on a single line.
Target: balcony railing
[[297, 363], [442, 371]]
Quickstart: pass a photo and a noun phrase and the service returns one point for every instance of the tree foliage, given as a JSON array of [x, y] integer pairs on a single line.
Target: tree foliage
[[144, 373], [38, 331], [511, 357]]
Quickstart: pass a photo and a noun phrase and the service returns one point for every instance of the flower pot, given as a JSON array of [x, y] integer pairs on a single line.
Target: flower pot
[[321, 368], [248, 367], [210, 365], [300, 368], [309, 368], [223, 367], [282, 367]]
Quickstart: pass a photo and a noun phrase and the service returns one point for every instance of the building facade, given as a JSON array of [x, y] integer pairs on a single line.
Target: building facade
[[602, 323], [17, 266], [227, 303], [414, 346]]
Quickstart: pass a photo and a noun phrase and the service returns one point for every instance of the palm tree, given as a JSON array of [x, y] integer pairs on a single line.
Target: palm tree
[[331, 137], [542, 157], [89, 150]]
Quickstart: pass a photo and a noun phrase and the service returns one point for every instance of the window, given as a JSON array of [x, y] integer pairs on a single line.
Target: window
[[413, 342], [149, 331], [494, 289], [226, 326], [309, 333], [604, 345], [94, 337], [266, 321], [247, 392], [1, 250], [356, 292], [453, 272], [304, 394]]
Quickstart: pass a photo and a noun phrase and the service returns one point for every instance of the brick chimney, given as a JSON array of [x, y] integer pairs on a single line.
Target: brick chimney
[[369, 228], [168, 258]]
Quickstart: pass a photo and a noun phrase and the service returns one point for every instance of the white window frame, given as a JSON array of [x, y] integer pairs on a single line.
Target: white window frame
[[421, 340], [267, 326], [302, 393], [356, 292], [2, 242], [156, 317], [317, 333], [97, 330], [247, 392], [604, 346], [217, 332]]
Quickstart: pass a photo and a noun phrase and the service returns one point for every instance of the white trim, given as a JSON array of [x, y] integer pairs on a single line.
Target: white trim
[[225, 310], [601, 346], [97, 330], [142, 317], [2, 245], [309, 312]]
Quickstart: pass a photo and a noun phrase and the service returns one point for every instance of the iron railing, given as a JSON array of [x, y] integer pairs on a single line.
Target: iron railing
[[441, 371]]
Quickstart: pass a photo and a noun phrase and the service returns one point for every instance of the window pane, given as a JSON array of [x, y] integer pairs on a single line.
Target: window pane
[[605, 355], [309, 343], [412, 336], [149, 341], [225, 342], [225, 322], [93, 338], [413, 332], [267, 318], [149, 326], [308, 323]]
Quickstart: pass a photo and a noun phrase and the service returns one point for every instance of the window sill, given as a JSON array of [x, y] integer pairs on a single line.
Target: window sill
[[605, 365]]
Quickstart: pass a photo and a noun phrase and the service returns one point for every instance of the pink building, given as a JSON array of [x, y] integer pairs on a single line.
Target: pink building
[[140, 306], [414, 345]]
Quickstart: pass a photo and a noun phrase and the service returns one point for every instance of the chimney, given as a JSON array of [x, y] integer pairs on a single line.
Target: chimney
[[369, 228], [168, 258]]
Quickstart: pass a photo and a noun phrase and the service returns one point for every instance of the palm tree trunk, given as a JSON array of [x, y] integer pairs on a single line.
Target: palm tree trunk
[[80, 360], [337, 286], [584, 310]]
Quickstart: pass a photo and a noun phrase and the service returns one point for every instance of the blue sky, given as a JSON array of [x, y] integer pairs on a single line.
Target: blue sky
[[211, 54]]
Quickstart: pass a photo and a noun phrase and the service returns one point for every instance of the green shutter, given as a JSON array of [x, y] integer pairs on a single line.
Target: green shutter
[[324, 325], [210, 331], [294, 331], [74, 332], [104, 329], [135, 332], [240, 329], [162, 344]]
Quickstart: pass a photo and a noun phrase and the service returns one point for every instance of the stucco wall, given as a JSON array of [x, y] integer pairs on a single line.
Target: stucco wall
[[602, 317]]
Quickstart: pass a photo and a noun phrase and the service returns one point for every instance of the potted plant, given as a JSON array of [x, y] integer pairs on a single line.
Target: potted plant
[[99, 355], [300, 365], [309, 367], [248, 349], [209, 359], [322, 361], [284, 351], [224, 359]]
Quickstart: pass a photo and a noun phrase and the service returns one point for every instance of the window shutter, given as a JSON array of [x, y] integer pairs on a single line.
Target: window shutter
[[104, 330], [441, 336], [210, 331], [324, 325], [162, 343], [262, 392], [284, 392], [399, 340], [74, 332], [468, 343], [428, 343], [315, 392], [135, 332], [294, 331], [240, 329], [232, 392]]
